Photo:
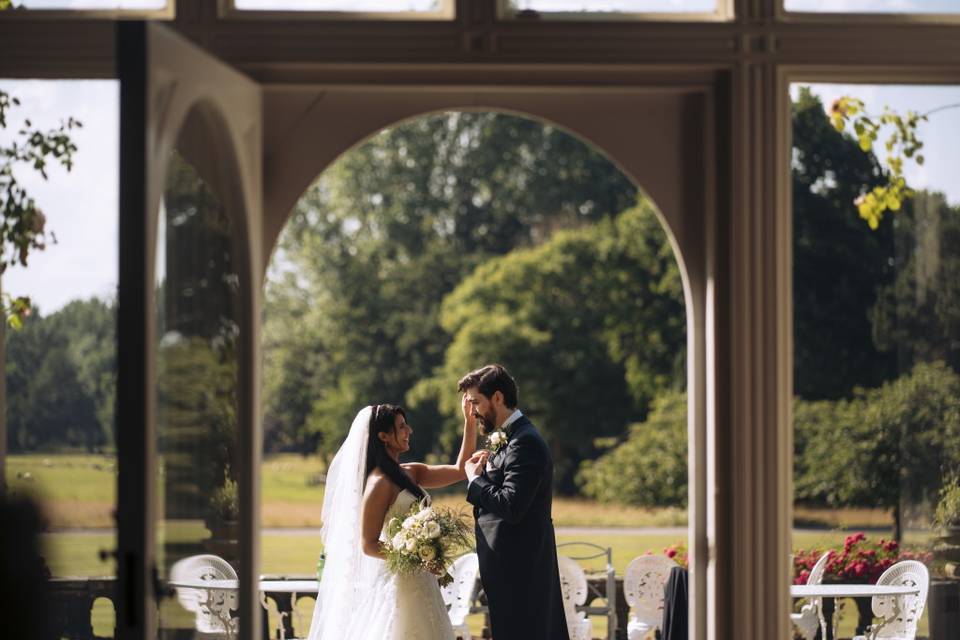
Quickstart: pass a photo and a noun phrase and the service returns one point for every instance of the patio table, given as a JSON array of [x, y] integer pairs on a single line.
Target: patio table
[[216, 590], [857, 591]]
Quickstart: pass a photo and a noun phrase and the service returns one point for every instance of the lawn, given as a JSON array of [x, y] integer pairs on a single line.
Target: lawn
[[78, 492]]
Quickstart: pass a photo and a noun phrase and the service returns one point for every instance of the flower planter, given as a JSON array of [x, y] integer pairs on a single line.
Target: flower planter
[[946, 549]]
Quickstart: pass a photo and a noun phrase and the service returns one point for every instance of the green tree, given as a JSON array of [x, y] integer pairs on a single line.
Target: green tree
[[60, 376], [386, 234], [917, 316], [888, 447], [22, 224], [839, 264], [591, 323], [648, 469]]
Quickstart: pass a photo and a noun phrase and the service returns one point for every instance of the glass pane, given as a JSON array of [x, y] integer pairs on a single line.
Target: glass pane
[[197, 330], [92, 4], [615, 6], [873, 6], [60, 367], [385, 6], [877, 334], [457, 239]]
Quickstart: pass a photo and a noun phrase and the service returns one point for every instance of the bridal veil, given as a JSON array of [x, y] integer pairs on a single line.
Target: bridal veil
[[348, 573]]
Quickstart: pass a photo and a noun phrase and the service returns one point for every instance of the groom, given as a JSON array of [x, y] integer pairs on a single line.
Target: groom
[[511, 498]]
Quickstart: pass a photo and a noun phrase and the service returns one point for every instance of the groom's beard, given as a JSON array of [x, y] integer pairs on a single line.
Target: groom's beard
[[487, 423]]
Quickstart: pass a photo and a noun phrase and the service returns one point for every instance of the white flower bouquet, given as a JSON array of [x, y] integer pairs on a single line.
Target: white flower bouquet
[[428, 539]]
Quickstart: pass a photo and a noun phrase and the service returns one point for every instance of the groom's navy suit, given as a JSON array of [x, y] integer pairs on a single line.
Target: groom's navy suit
[[515, 540]]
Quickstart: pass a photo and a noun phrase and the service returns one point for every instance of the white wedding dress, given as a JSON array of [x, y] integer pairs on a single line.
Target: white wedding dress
[[358, 598], [401, 607]]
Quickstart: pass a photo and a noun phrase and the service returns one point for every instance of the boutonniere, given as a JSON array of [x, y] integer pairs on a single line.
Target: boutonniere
[[496, 441]]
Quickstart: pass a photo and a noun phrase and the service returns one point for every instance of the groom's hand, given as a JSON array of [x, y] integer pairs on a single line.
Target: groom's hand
[[474, 466]]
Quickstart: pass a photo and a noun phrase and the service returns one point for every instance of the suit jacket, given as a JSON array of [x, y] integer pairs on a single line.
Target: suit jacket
[[516, 546]]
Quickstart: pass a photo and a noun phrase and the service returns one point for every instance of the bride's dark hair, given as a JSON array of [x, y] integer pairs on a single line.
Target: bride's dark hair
[[383, 420]]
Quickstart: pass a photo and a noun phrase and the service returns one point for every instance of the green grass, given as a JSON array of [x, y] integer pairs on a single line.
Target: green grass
[[78, 491]]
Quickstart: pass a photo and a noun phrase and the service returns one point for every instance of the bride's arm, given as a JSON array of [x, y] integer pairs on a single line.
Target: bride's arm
[[377, 498], [442, 475]]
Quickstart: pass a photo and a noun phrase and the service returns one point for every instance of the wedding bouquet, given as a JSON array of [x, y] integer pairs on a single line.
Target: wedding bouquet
[[429, 539]]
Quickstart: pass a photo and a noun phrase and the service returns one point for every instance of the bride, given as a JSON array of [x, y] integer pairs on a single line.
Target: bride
[[366, 485]]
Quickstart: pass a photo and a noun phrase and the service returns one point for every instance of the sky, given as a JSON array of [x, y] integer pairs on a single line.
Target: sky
[[91, 4], [82, 206]]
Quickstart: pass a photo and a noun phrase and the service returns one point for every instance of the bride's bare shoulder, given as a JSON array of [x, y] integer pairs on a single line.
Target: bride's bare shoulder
[[379, 484]]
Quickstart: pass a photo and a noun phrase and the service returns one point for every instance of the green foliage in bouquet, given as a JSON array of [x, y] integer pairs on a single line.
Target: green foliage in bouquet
[[428, 539]]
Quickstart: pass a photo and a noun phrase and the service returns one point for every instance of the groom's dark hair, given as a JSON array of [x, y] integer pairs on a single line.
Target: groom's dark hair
[[490, 379]]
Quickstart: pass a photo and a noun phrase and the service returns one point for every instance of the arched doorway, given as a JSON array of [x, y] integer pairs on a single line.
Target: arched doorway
[[312, 144]]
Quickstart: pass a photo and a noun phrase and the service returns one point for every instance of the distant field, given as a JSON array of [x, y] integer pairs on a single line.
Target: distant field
[[79, 491]]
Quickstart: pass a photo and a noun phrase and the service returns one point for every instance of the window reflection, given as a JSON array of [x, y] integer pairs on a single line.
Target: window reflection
[[197, 330]]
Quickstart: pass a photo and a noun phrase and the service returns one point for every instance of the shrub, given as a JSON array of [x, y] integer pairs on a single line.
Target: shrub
[[859, 560], [649, 469], [948, 509]]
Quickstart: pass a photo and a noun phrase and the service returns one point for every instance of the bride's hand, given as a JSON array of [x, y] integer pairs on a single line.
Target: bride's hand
[[469, 419]]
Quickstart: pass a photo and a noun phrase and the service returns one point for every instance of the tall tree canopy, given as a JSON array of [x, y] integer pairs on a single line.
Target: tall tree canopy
[[388, 231], [591, 323], [839, 264]]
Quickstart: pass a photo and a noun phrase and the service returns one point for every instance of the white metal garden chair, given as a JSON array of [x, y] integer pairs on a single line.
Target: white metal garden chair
[[643, 585], [573, 588], [587, 553], [459, 594], [811, 614], [907, 573], [212, 607]]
